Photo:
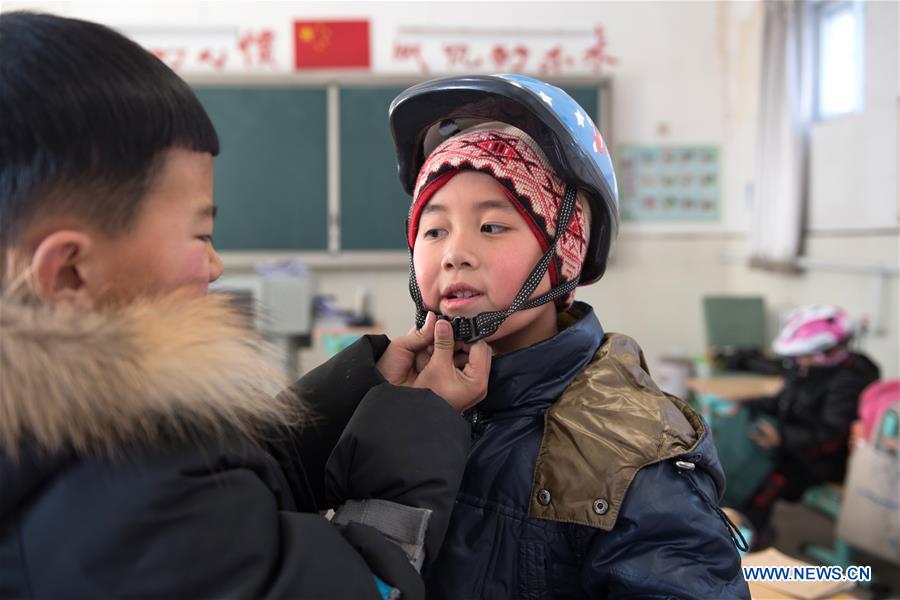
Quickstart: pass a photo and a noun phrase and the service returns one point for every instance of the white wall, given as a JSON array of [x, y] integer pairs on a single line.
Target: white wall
[[854, 158], [687, 73], [855, 292]]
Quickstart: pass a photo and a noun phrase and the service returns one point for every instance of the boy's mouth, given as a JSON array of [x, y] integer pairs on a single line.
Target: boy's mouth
[[459, 296]]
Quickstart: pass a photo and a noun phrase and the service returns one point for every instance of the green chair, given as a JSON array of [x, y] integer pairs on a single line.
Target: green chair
[[746, 465], [826, 499]]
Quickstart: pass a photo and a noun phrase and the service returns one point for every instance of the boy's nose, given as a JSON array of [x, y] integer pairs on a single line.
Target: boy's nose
[[215, 264], [458, 254]]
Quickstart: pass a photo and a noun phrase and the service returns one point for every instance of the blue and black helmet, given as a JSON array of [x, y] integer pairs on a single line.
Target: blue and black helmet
[[426, 114]]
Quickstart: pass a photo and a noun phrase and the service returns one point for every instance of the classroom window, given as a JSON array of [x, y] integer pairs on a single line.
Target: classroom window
[[839, 57]]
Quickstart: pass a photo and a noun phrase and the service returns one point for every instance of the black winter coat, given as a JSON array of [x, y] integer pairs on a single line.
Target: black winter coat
[[127, 469], [573, 488], [814, 411]]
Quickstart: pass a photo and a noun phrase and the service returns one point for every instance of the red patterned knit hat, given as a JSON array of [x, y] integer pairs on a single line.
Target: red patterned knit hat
[[512, 158]]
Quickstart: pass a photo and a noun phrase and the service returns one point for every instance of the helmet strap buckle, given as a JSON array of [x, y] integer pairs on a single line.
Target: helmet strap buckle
[[466, 329]]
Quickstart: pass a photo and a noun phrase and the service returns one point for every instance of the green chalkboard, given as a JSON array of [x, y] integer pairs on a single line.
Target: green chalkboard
[[271, 180], [373, 203], [270, 175]]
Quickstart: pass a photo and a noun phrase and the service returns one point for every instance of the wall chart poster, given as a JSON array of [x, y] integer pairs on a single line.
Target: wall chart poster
[[668, 183]]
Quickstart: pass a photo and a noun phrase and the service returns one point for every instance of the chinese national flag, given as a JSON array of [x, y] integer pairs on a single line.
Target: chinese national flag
[[331, 44]]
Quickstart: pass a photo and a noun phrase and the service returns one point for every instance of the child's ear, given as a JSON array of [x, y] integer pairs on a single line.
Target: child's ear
[[58, 266]]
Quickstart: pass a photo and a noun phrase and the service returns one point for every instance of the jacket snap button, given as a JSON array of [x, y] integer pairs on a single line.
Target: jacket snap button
[[544, 497], [601, 506]]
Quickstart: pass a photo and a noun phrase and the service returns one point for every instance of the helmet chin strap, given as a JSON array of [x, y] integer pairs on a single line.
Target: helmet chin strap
[[482, 325]]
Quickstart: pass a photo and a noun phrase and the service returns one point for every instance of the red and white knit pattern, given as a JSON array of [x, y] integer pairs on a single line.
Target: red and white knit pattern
[[518, 164]]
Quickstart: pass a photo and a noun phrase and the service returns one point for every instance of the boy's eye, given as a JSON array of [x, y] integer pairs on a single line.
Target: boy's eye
[[493, 228], [205, 238], [432, 233]]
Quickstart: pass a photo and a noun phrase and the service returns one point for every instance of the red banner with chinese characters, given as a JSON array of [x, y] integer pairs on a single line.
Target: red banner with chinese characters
[[331, 45]]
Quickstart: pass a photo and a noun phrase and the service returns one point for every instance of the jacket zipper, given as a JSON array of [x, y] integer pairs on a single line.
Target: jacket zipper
[[478, 424]]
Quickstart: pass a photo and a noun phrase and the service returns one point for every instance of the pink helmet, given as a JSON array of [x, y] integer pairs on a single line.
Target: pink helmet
[[812, 330]]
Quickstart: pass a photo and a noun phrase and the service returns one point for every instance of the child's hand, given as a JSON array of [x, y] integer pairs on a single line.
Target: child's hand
[[461, 387], [398, 363], [765, 435]]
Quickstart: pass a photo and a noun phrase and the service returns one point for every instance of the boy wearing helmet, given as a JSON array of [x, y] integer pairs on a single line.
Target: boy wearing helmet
[[585, 480], [814, 411]]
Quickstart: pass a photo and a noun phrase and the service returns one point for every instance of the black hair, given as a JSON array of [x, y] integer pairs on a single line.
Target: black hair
[[85, 116]]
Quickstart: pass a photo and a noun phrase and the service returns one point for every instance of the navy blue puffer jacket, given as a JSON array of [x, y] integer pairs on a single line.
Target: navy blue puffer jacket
[[572, 489]]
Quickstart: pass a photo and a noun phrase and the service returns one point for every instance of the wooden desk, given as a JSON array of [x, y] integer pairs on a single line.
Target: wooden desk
[[759, 591], [737, 387]]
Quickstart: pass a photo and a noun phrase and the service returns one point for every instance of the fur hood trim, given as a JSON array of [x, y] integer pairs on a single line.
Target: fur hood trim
[[94, 381]]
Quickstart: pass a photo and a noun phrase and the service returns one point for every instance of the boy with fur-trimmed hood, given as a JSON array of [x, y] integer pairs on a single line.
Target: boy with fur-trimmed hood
[[140, 451]]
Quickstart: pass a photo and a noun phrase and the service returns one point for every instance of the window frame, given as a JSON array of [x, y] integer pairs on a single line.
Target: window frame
[[821, 10]]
